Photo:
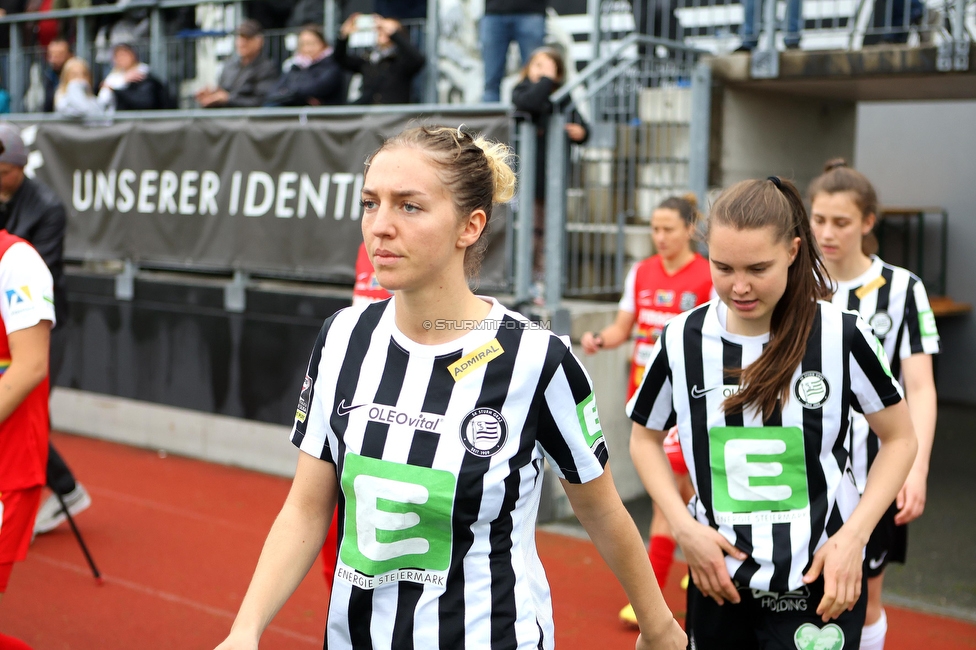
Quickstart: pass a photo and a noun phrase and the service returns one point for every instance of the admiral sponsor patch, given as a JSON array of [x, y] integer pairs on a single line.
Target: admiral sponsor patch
[[475, 359]]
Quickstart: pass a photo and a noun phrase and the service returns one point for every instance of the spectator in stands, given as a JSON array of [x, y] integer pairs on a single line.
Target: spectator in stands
[[522, 21], [58, 52], [271, 14], [74, 96], [544, 73], [313, 77], [401, 9], [247, 78], [389, 68], [129, 86], [32, 211], [751, 29], [4, 100]]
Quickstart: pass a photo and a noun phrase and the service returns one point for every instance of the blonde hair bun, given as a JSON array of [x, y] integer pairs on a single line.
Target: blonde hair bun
[[500, 157]]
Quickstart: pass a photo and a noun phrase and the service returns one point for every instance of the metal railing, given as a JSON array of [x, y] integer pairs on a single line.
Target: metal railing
[[177, 58], [449, 39], [648, 122]]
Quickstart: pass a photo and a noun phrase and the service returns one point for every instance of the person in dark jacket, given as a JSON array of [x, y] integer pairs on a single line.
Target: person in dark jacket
[[130, 84], [544, 73], [313, 77], [389, 68], [31, 210], [247, 78], [57, 54]]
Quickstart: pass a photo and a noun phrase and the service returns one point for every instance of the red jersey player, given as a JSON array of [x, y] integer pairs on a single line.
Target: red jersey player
[[26, 318]]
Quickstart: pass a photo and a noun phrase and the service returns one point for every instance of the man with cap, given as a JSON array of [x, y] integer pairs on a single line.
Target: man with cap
[[129, 86], [32, 211], [247, 78]]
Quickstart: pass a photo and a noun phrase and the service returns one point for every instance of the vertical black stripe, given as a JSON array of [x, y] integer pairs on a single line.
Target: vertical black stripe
[[423, 449], [782, 558], [346, 383], [834, 522], [374, 441], [853, 302], [695, 380], [388, 392], [884, 294], [732, 368], [812, 442], [843, 445], [352, 363], [470, 489]]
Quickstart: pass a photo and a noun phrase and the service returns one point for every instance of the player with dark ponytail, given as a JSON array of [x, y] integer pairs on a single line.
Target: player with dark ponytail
[[761, 385]]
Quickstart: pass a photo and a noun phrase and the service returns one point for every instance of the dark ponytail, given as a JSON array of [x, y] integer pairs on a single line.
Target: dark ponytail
[[776, 203]]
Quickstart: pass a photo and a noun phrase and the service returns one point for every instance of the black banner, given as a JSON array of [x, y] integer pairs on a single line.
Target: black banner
[[277, 196]]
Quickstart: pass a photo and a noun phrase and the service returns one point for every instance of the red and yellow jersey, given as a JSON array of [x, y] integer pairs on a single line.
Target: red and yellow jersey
[[26, 299], [654, 297], [366, 289]]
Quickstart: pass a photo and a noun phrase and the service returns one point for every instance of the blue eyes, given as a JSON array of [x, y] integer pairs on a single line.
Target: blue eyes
[[409, 208]]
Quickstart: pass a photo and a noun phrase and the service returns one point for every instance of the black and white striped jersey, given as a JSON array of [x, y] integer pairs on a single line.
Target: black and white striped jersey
[[894, 303], [439, 452], [775, 487]]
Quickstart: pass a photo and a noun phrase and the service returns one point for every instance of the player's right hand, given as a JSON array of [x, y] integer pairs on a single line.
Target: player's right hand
[[705, 549], [672, 637]]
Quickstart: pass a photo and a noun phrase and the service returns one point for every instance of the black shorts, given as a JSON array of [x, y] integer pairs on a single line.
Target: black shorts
[[888, 543], [765, 620]]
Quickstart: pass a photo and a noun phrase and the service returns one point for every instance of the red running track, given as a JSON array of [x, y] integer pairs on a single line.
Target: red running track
[[177, 539]]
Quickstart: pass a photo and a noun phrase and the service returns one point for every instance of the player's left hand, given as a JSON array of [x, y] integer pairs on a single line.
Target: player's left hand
[[840, 562], [911, 498]]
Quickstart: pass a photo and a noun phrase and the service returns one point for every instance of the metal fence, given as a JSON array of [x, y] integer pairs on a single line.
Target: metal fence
[[647, 111], [189, 58]]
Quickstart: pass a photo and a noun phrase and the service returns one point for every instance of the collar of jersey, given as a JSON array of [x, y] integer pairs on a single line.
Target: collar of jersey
[[468, 341], [877, 265], [720, 312]]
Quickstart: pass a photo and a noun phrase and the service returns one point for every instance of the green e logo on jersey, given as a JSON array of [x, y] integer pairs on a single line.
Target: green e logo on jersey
[[757, 469], [397, 516], [589, 420], [926, 323]]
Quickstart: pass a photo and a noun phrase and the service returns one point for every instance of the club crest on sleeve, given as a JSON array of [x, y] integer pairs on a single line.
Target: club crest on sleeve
[[812, 389], [303, 400], [881, 324], [483, 432]]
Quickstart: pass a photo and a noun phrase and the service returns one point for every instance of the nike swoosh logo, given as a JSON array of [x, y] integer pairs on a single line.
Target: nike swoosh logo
[[698, 393], [342, 410], [874, 564]]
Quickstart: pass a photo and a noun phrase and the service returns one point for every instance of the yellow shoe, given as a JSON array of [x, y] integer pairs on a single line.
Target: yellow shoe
[[684, 582], [628, 616]]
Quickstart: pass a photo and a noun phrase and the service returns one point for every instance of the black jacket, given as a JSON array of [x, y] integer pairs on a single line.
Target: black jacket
[[388, 80], [321, 80], [146, 95], [533, 98], [35, 213], [248, 85], [515, 6]]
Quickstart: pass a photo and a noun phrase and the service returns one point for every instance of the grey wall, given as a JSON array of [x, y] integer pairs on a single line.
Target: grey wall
[[765, 133], [924, 153]]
